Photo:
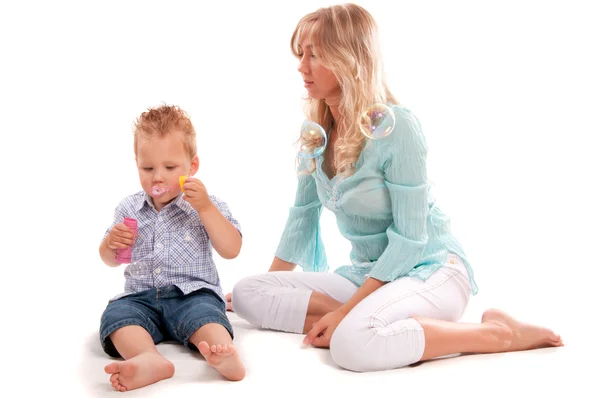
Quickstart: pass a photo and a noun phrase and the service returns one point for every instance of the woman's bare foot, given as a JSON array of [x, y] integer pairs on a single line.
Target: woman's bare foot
[[139, 371], [522, 336], [225, 359]]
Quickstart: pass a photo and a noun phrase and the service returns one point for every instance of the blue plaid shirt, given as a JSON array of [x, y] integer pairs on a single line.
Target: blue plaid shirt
[[172, 245]]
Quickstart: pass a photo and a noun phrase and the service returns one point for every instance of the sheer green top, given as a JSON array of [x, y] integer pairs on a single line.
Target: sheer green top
[[385, 209]]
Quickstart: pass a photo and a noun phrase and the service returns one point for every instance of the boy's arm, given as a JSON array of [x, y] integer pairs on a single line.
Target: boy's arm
[[107, 254], [119, 237], [224, 236]]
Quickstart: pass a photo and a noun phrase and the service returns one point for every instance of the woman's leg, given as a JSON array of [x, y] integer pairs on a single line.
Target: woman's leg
[[410, 320], [289, 301], [497, 332]]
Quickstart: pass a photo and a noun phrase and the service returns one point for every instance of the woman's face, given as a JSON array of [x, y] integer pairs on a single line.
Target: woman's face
[[319, 81]]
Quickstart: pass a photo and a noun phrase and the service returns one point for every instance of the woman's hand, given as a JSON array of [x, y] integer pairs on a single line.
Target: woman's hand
[[321, 332]]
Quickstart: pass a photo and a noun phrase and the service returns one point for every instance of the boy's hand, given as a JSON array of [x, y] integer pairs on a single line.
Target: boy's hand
[[196, 195], [120, 237]]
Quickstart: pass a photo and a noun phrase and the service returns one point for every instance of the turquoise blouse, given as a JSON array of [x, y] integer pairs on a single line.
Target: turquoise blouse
[[385, 209]]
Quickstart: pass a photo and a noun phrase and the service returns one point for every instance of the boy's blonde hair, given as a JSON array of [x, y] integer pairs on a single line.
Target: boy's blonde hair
[[163, 120], [346, 41]]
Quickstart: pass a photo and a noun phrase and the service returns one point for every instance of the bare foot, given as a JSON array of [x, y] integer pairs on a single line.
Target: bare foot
[[224, 358], [142, 370], [228, 299], [522, 336]]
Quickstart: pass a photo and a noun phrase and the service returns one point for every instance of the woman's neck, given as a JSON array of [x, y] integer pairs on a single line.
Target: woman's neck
[[333, 104], [335, 113]]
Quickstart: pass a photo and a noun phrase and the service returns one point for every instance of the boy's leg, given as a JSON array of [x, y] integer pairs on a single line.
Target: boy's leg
[[216, 345], [129, 328], [200, 322]]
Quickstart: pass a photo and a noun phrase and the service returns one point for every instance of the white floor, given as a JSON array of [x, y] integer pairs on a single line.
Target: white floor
[[278, 366]]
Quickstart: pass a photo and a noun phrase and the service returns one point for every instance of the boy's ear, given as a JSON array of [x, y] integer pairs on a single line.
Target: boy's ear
[[195, 165]]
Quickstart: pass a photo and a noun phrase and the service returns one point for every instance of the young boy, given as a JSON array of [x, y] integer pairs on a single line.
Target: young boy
[[178, 296]]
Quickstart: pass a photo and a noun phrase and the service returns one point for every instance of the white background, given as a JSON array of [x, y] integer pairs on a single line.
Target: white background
[[507, 94]]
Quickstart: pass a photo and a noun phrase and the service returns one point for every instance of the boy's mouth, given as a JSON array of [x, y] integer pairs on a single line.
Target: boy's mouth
[[157, 191]]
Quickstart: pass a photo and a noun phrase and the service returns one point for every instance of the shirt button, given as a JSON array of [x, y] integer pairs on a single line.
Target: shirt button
[[157, 271], [159, 246]]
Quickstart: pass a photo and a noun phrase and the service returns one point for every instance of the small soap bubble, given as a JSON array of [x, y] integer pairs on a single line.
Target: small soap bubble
[[377, 121], [139, 268], [157, 191], [313, 140]]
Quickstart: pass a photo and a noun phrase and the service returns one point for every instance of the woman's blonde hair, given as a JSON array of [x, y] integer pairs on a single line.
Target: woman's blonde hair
[[345, 38]]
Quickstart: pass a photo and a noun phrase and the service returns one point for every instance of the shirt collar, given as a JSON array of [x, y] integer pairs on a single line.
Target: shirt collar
[[145, 199], [183, 204]]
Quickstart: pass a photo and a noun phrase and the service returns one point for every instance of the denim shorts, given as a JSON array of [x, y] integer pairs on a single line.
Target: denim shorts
[[166, 313]]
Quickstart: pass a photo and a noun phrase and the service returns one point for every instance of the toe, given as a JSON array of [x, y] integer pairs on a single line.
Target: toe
[[112, 368], [204, 348], [555, 339]]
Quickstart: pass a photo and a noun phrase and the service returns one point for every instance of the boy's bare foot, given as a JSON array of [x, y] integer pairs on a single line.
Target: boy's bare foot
[[522, 336], [225, 359], [139, 371]]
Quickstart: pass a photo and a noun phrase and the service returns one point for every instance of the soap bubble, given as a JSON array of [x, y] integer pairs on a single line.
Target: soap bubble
[[140, 268], [306, 166], [157, 191], [313, 140], [377, 121]]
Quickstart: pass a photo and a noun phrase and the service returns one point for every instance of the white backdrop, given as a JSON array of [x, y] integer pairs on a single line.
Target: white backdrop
[[507, 93]]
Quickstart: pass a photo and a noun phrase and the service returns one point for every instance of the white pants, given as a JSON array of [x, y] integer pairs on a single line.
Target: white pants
[[377, 334]]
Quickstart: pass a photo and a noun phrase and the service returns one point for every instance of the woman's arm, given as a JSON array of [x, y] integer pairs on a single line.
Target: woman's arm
[[280, 265], [368, 287], [300, 242]]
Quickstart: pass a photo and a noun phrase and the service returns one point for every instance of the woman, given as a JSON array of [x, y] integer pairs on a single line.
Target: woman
[[410, 281]]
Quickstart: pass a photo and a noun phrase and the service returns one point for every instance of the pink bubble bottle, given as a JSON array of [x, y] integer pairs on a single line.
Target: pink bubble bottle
[[124, 255]]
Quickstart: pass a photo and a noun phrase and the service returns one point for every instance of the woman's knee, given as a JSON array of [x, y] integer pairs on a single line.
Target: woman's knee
[[375, 346], [349, 348], [245, 297]]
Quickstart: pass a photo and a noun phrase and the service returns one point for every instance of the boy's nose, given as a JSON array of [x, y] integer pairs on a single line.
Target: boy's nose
[[157, 178]]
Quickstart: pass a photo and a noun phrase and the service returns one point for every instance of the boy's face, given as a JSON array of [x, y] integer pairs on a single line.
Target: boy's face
[[160, 162]]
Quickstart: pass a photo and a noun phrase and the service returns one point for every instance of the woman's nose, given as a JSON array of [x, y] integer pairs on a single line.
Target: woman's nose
[[303, 67]]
